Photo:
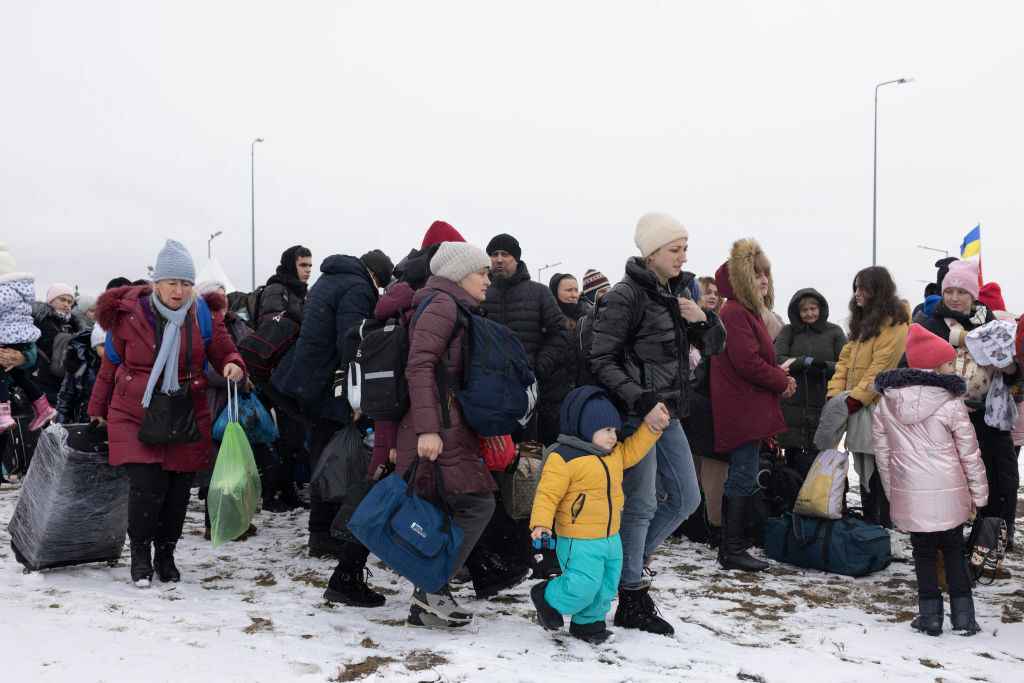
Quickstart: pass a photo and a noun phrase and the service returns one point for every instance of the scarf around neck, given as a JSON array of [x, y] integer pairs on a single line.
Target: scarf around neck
[[167, 359]]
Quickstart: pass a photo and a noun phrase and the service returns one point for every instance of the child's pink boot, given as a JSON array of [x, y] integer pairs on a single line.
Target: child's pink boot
[[6, 421], [44, 413]]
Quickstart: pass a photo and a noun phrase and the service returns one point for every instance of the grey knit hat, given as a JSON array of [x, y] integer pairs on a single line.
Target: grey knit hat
[[174, 263], [455, 260]]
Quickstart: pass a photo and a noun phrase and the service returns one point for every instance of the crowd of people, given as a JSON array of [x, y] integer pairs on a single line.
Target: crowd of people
[[657, 394]]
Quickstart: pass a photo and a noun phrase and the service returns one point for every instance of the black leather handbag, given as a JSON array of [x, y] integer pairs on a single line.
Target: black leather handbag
[[170, 418]]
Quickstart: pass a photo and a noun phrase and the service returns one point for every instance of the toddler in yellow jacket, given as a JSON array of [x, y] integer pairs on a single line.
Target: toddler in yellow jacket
[[580, 494]]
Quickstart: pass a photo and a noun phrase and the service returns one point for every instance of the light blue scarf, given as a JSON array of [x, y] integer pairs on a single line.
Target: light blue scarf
[[167, 359]]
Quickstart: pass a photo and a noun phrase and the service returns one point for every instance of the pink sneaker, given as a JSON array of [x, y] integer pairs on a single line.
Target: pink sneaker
[[44, 413], [6, 421]]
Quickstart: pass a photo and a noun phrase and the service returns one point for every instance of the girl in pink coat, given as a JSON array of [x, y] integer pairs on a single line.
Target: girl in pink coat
[[930, 466]]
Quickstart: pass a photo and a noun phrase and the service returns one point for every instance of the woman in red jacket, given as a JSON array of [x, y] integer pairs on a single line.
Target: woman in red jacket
[[746, 384], [156, 334], [459, 274]]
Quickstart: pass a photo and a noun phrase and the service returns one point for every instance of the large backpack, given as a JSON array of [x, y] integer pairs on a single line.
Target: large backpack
[[375, 382], [498, 390]]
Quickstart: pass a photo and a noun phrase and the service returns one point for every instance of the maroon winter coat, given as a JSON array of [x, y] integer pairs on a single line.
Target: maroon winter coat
[[429, 336], [397, 300], [125, 313], [745, 379]]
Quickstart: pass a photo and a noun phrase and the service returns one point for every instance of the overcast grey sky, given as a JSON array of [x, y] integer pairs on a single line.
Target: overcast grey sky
[[558, 122]]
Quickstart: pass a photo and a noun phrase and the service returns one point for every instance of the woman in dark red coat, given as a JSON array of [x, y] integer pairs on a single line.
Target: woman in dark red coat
[[746, 384], [142, 321], [460, 274]]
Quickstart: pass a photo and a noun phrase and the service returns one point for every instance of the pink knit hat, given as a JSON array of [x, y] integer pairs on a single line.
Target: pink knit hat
[[964, 275], [58, 288], [927, 351]]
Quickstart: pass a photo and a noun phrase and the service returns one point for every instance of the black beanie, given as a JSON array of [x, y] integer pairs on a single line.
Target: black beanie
[[507, 243], [378, 263], [943, 265]]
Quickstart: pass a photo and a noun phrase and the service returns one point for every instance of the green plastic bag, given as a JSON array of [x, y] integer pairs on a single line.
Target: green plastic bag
[[235, 484]]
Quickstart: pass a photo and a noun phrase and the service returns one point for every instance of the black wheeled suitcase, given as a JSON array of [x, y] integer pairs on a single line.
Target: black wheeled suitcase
[[73, 506]]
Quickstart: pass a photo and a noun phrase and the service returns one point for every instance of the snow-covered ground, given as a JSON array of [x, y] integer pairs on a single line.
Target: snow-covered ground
[[253, 611]]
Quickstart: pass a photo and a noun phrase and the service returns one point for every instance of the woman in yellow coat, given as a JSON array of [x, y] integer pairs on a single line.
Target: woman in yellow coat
[[878, 338]]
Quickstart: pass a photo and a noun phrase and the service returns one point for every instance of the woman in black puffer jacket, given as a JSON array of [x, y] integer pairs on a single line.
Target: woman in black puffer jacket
[[640, 351]]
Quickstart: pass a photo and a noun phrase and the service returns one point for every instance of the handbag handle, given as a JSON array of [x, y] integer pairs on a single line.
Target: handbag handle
[[410, 476], [232, 401]]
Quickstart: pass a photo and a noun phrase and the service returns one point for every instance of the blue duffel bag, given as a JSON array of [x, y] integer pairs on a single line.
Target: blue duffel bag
[[847, 546], [410, 535]]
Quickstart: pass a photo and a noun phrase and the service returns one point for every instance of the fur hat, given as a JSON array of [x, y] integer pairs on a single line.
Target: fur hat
[[455, 260], [742, 274], [593, 282], [926, 351], [507, 243], [98, 336], [57, 289], [991, 294], [656, 229], [963, 275], [378, 263], [174, 263], [440, 231], [598, 413], [9, 269]]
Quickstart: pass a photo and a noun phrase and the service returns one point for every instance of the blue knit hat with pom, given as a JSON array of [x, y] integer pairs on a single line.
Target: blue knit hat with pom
[[174, 263]]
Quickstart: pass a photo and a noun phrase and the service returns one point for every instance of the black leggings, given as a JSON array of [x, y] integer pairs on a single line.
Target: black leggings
[[23, 380], [951, 543], [157, 502]]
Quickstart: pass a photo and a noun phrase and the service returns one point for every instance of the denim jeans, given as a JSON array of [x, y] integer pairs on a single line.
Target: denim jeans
[[743, 464], [645, 521]]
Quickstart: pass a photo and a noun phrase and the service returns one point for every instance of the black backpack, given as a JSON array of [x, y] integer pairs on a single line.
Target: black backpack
[[375, 381]]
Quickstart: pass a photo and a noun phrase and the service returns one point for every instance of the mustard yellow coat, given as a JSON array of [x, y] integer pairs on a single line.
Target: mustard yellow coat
[[860, 361], [584, 494]]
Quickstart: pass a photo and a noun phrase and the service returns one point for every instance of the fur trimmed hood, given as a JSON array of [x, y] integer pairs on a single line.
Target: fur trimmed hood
[[908, 377], [216, 301], [913, 395], [736, 278]]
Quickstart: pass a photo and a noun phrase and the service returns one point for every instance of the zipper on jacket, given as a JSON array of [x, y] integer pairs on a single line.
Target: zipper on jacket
[[577, 506], [608, 490]]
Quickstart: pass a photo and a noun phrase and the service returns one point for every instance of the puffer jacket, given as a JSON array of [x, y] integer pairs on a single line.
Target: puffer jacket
[[50, 326], [862, 359], [134, 327], [431, 341], [342, 297], [926, 451], [16, 324], [530, 310], [580, 486], [641, 343], [799, 341], [745, 380]]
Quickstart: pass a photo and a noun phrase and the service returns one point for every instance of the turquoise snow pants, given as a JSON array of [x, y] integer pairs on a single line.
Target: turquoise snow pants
[[589, 580]]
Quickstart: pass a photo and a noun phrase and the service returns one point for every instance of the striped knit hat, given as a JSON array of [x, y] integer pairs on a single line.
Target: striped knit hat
[[593, 282]]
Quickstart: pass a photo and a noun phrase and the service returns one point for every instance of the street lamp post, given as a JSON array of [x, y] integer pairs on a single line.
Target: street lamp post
[[874, 193], [209, 251], [252, 195], [543, 268], [944, 252]]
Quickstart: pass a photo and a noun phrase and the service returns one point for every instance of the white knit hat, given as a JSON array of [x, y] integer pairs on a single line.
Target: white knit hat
[[8, 268], [456, 260], [656, 229], [85, 301], [98, 336]]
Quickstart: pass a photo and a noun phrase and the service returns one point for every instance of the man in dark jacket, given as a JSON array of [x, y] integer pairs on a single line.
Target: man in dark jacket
[[342, 297], [286, 289]]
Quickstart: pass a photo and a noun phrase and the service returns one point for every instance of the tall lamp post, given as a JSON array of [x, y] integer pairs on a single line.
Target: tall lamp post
[[209, 250], [543, 268], [874, 194], [252, 195]]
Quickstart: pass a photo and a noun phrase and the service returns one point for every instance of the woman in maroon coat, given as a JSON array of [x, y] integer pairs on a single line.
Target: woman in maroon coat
[[460, 274], [142, 322], [746, 384]]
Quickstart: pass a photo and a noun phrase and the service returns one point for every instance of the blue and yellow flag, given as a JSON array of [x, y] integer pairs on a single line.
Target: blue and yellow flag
[[971, 245]]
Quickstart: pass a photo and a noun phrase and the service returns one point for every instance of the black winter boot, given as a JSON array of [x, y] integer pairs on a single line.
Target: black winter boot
[[637, 610], [961, 616], [732, 553], [491, 574], [547, 616], [163, 562], [348, 586], [142, 563], [594, 633], [929, 615]]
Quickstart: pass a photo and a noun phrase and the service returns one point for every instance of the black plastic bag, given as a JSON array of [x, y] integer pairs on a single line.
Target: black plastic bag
[[343, 461]]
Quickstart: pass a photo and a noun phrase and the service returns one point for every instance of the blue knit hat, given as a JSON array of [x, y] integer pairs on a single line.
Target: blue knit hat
[[174, 263], [598, 413]]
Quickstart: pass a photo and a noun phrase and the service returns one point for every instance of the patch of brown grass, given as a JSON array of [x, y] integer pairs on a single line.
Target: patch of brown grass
[[259, 625], [357, 670]]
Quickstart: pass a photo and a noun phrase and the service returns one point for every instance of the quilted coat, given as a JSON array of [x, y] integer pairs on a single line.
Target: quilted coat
[[862, 359], [16, 324], [431, 341], [126, 314], [925, 450]]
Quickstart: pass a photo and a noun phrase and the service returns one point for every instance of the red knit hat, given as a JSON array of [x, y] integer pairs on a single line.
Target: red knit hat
[[439, 231], [991, 295], [925, 350]]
